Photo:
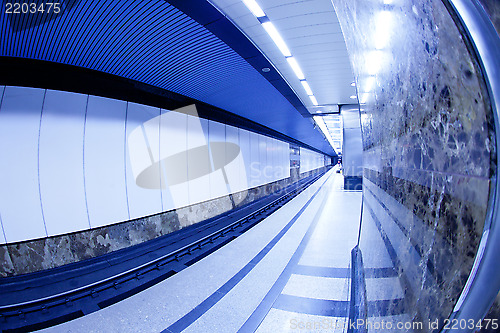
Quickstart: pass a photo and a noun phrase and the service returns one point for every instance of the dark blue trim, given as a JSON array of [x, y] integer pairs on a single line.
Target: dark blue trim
[[263, 19], [343, 273], [329, 272], [211, 300], [312, 306], [330, 308]]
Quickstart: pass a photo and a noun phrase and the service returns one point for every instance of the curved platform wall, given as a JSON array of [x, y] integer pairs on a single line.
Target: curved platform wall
[[73, 162], [429, 154]]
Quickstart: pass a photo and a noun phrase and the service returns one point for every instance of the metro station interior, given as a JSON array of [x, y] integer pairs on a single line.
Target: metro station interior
[[250, 166]]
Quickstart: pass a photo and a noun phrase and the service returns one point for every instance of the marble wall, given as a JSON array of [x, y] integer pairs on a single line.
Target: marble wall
[[428, 149], [492, 8]]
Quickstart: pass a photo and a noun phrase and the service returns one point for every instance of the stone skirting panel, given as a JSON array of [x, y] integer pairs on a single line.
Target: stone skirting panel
[[46, 253]]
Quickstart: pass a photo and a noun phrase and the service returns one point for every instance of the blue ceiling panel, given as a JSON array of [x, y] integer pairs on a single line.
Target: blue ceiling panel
[[155, 43]]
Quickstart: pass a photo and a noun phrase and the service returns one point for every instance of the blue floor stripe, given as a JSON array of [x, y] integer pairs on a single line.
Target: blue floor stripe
[[331, 308], [211, 300], [328, 272], [312, 306], [343, 273]]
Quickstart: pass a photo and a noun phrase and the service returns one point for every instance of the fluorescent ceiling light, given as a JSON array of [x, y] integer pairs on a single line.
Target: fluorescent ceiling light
[[254, 8], [322, 126], [313, 100], [296, 68], [307, 88], [275, 36], [353, 96]]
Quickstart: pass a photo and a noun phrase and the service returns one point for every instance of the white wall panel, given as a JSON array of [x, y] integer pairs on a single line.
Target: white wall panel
[[142, 131], [246, 156], [310, 160], [279, 170], [254, 173], [232, 165], [61, 162], [217, 134], [286, 157], [173, 159], [20, 207], [262, 159], [280, 163], [272, 152], [198, 160], [104, 158], [130, 160], [270, 165]]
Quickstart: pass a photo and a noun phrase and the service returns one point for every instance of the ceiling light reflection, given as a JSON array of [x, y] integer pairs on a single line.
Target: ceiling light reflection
[[374, 61], [307, 88], [296, 68], [254, 8], [322, 126], [383, 29], [313, 100]]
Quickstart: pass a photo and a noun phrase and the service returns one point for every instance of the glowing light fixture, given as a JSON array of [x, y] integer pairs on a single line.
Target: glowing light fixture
[[306, 87], [271, 30], [296, 68], [322, 126], [353, 84], [353, 96], [254, 8], [314, 100], [276, 37]]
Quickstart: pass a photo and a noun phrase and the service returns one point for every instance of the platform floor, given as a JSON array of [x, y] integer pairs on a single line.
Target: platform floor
[[289, 273]]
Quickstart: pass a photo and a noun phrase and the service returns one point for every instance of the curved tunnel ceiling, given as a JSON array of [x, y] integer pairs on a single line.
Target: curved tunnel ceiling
[[158, 44]]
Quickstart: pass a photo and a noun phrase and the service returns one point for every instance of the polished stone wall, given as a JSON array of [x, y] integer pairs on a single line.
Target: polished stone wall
[[492, 8], [428, 150]]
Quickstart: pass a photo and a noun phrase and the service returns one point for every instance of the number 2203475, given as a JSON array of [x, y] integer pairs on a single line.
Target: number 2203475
[[32, 8]]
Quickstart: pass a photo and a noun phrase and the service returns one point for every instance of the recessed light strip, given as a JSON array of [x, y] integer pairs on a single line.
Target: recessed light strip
[[307, 88], [313, 100], [322, 126], [296, 68], [276, 37], [256, 10]]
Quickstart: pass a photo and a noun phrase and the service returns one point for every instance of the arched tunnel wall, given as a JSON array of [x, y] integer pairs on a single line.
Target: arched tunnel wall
[[429, 153], [84, 175]]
